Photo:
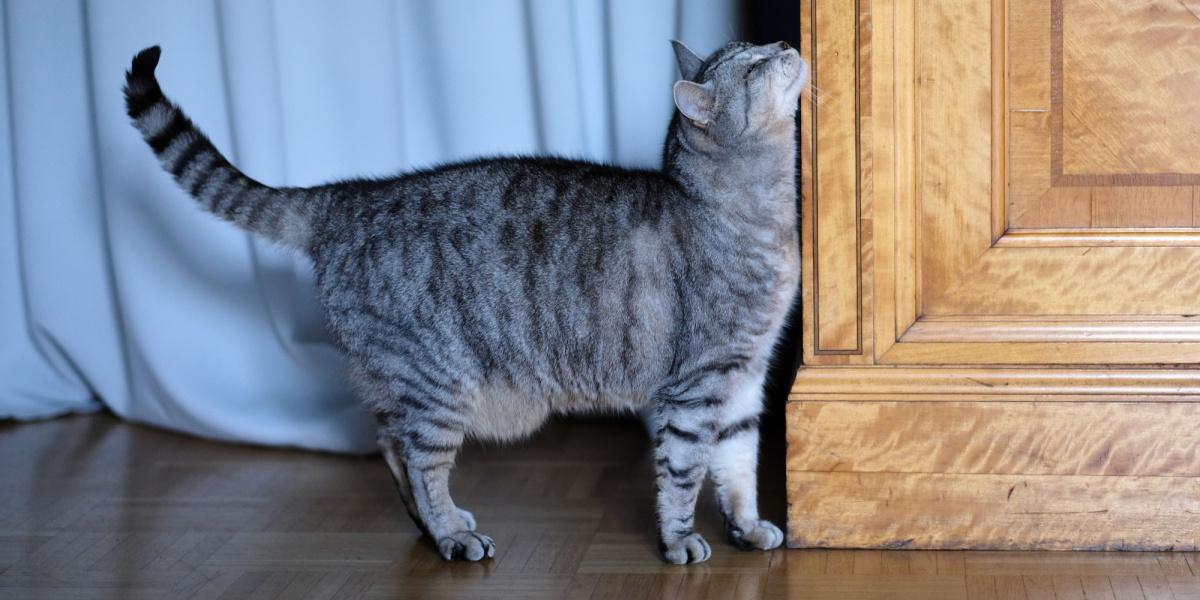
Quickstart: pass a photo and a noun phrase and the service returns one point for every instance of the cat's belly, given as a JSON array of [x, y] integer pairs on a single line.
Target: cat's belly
[[502, 413]]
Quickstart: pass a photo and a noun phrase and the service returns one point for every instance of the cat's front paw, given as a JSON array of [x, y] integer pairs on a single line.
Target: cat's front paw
[[468, 519], [466, 545], [760, 535], [688, 549]]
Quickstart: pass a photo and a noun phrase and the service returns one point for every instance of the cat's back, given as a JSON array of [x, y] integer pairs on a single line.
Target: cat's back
[[499, 206], [495, 219], [523, 186]]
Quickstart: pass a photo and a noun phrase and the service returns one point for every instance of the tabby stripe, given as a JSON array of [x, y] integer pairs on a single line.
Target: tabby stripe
[[195, 147], [682, 473], [205, 176], [218, 191], [721, 368], [418, 442], [162, 140], [705, 402], [425, 377], [221, 196], [428, 404], [742, 426], [238, 198], [440, 423], [684, 435]]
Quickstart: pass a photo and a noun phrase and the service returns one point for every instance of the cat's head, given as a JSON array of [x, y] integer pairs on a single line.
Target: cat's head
[[739, 92]]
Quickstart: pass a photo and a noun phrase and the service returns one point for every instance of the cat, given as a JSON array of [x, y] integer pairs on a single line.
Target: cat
[[477, 299]]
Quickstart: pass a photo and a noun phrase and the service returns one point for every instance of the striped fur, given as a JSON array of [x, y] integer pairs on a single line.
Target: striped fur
[[283, 215], [477, 299]]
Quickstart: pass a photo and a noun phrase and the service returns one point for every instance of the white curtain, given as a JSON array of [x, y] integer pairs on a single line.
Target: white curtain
[[116, 290]]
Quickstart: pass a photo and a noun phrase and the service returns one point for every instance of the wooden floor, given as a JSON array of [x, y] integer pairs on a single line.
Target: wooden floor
[[95, 508]]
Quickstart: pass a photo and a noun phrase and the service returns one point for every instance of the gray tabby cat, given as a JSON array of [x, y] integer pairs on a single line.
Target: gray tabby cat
[[478, 299]]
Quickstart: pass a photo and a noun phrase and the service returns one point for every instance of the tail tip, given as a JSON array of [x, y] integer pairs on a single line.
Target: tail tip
[[145, 62]]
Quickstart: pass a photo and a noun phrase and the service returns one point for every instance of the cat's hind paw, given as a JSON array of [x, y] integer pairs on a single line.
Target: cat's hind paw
[[466, 545], [688, 549], [760, 535]]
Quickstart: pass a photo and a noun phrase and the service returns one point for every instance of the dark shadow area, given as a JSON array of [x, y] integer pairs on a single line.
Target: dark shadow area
[[766, 21]]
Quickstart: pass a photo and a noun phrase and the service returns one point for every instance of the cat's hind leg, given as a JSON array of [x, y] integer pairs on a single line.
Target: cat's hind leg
[[420, 447]]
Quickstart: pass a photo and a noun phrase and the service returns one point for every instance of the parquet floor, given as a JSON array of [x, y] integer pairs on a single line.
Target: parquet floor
[[92, 507]]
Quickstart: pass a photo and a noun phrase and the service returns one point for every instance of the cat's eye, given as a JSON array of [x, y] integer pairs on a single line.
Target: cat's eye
[[753, 67]]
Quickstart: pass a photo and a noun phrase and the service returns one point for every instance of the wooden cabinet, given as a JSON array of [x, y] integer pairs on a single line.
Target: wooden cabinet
[[1001, 293]]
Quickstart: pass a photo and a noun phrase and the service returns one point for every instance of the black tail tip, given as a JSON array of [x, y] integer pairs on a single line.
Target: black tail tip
[[145, 62]]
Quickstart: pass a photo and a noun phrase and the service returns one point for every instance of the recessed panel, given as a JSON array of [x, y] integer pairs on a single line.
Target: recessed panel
[[1101, 114], [1130, 105]]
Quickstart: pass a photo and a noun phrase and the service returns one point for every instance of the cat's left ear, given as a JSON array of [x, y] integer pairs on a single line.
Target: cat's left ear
[[695, 101], [689, 63]]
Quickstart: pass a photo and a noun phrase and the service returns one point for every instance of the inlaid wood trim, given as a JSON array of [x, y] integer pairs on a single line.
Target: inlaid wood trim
[[932, 384], [1057, 177], [983, 330], [833, 192], [999, 118], [1117, 237]]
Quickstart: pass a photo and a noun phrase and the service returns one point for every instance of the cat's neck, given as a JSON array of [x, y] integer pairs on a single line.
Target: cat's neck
[[757, 177]]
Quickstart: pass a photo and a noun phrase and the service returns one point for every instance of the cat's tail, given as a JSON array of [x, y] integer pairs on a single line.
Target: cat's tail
[[285, 215]]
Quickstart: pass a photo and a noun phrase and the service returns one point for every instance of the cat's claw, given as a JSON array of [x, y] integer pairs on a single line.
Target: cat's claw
[[688, 549], [760, 535], [466, 545]]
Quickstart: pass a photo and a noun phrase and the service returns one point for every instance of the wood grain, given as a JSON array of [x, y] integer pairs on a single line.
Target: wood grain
[[1060, 329], [1032, 201], [1021, 322], [191, 519], [832, 206], [1131, 206], [1131, 73], [1006, 438], [996, 384], [1009, 512], [953, 154]]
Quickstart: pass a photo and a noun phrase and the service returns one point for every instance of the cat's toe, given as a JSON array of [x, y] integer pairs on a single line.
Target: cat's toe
[[468, 519], [760, 535], [688, 549], [466, 545]]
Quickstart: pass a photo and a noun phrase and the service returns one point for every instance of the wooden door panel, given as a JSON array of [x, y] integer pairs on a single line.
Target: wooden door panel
[[949, 207], [1126, 79], [985, 169], [1001, 286], [1101, 102]]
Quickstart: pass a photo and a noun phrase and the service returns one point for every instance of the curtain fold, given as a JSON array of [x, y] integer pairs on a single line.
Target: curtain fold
[[116, 290]]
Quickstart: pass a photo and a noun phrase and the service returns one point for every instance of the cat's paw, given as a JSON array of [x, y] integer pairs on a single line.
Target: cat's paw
[[468, 519], [688, 549], [760, 535], [466, 545]]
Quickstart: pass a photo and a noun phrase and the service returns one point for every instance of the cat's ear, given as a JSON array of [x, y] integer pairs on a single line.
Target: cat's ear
[[689, 63], [695, 101]]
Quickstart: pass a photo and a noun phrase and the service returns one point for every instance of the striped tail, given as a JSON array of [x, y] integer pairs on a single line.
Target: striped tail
[[284, 215]]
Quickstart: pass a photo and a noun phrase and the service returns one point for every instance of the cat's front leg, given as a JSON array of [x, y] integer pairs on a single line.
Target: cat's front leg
[[734, 470], [683, 441]]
